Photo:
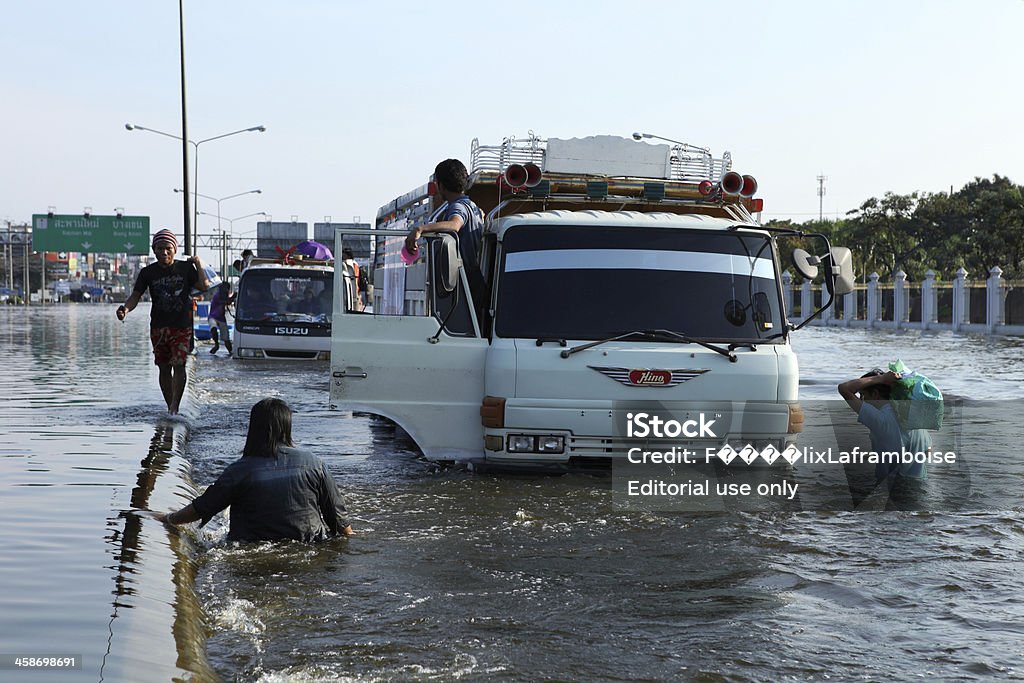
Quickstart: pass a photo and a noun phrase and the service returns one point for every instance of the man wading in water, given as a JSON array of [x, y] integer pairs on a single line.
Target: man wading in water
[[170, 286], [868, 396]]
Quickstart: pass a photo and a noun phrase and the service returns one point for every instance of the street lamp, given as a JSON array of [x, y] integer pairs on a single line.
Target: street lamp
[[225, 249], [195, 175], [687, 147], [221, 199], [231, 221]]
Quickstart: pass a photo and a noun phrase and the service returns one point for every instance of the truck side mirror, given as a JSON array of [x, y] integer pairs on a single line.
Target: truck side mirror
[[447, 262], [805, 263], [840, 263]]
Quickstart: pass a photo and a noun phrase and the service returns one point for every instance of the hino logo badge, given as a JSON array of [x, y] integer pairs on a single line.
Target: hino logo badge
[[648, 377]]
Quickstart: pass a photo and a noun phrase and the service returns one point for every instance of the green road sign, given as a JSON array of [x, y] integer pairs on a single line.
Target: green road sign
[[92, 234]]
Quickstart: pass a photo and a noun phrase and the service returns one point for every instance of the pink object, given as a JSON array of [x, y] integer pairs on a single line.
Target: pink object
[[407, 257]]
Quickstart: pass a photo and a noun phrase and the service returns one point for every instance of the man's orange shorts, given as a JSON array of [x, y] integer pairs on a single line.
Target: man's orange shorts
[[170, 344]]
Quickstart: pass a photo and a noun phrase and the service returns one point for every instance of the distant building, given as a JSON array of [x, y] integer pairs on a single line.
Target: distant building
[[271, 235], [359, 244]]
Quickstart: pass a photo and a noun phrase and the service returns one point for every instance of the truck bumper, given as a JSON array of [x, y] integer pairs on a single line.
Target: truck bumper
[[539, 432]]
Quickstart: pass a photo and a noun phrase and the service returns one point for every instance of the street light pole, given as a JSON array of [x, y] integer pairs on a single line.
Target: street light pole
[[231, 221], [184, 132], [195, 190], [219, 200], [195, 145], [26, 285], [226, 257], [9, 258]]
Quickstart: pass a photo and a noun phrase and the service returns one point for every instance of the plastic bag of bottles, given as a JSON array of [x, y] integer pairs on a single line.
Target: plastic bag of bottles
[[916, 399]]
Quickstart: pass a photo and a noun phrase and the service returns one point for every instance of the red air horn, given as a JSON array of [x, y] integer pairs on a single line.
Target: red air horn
[[518, 176], [515, 176], [749, 186], [533, 174], [731, 183]]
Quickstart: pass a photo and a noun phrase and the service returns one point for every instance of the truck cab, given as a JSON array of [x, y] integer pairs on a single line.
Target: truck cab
[[623, 279], [284, 310]]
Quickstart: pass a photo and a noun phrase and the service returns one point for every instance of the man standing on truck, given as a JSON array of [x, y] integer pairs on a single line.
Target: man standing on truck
[[170, 286], [460, 215]]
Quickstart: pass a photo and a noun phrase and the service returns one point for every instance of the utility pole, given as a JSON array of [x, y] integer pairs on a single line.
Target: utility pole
[[26, 286], [187, 209], [8, 257], [224, 256], [821, 197]]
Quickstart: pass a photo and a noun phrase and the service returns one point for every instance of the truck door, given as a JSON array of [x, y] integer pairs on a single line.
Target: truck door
[[416, 356]]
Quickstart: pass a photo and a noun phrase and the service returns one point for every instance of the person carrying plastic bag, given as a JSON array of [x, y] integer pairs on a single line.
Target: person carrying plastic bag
[[915, 398], [898, 407]]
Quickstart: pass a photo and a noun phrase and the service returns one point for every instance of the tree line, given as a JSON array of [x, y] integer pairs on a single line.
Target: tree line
[[977, 227]]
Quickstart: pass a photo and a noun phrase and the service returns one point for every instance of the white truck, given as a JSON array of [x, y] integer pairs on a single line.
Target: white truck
[[284, 310], [623, 279]]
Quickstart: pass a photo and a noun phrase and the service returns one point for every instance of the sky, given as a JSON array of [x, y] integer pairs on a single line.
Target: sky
[[361, 99]]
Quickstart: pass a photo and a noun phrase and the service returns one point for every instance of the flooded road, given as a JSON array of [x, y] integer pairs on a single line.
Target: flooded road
[[454, 574]]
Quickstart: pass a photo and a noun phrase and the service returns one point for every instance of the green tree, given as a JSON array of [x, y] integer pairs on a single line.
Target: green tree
[[977, 227], [883, 231]]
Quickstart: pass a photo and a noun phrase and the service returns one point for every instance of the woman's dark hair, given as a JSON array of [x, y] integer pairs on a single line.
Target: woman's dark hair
[[452, 175], [270, 428]]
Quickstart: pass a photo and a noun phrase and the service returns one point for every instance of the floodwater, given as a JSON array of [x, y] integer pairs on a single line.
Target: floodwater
[[460, 575]]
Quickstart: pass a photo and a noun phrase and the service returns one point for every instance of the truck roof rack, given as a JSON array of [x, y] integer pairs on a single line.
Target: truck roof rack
[[686, 162], [599, 170]]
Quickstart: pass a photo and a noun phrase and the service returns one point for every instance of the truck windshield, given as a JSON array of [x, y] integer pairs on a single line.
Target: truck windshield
[[285, 295], [594, 283]]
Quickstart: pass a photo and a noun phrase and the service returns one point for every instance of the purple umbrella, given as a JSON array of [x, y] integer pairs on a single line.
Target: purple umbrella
[[311, 249]]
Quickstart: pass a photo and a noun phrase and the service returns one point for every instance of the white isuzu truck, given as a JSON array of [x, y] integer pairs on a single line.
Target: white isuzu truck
[[624, 279]]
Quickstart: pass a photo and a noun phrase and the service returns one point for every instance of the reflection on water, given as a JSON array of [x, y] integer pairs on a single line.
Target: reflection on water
[[458, 575], [83, 445]]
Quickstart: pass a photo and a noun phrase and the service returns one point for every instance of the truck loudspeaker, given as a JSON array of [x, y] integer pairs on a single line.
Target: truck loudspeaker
[[749, 186], [516, 175], [533, 174], [732, 183]]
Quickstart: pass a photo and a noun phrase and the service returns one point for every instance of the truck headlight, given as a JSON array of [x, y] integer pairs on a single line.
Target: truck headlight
[[550, 444], [521, 443], [535, 443]]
